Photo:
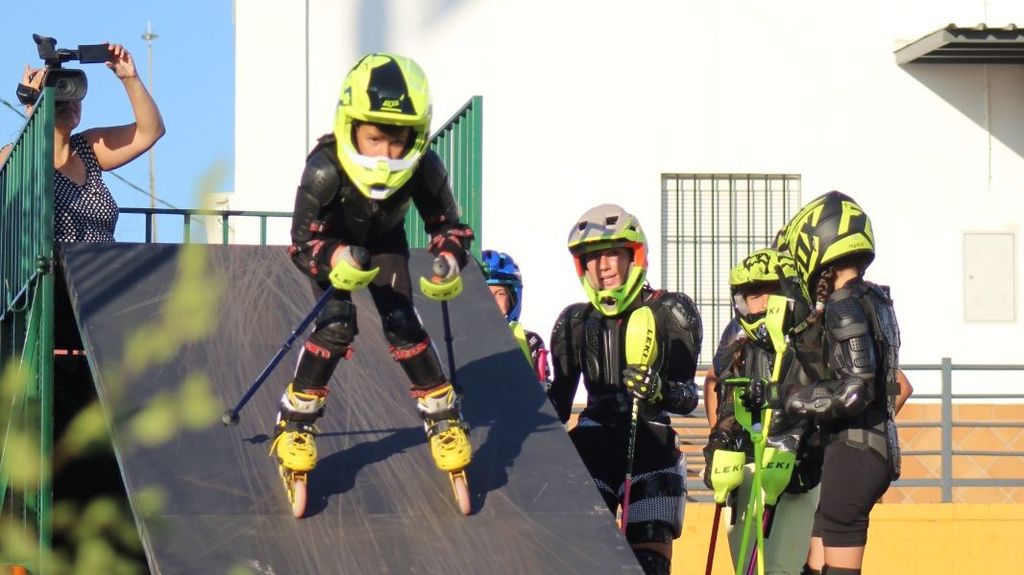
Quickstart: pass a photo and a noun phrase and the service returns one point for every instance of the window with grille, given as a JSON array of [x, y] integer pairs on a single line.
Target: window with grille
[[708, 223]]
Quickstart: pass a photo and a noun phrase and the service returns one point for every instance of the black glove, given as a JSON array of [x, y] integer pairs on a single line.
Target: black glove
[[719, 439], [644, 383], [455, 241], [756, 394], [27, 95], [679, 397]]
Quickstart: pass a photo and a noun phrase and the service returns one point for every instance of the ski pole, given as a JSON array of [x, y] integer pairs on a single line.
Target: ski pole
[[714, 538], [230, 416], [768, 514], [628, 483], [641, 349], [352, 277], [441, 269]]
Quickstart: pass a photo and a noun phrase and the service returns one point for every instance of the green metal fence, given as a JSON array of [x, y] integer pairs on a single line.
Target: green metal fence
[[459, 143], [26, 326]]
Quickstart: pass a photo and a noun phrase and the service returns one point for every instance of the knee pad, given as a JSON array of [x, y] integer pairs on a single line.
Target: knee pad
[[328, 344], [336, 327], [402, 327], [657, 498], [652, 562], [649, 531]]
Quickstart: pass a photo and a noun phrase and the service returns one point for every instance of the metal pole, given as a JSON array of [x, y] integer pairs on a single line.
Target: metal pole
[[149, 36], [947, 430]]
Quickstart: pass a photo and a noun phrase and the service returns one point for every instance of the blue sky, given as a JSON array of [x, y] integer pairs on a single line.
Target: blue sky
[[193, 83]]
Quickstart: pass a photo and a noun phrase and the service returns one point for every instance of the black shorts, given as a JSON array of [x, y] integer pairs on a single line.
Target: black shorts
[[852, 480]]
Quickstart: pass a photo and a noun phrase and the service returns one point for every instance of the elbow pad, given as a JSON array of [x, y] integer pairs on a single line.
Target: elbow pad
[[827, 401]]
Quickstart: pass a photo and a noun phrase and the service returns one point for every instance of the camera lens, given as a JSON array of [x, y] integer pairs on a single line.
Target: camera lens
[[67, 84], [64, 87]]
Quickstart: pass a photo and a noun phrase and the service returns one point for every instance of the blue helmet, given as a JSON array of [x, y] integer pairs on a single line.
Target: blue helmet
[[501, 270]]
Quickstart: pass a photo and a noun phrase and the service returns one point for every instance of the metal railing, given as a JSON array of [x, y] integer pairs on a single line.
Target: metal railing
[[26, 323], [692, 433], [223, 220], [460, 144]]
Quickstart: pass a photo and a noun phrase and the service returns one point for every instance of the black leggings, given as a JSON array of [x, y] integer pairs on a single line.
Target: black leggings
[[852, 480], [336, 326]]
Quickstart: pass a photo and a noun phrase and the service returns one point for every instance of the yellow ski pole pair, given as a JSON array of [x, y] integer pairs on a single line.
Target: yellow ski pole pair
[[772, 467]]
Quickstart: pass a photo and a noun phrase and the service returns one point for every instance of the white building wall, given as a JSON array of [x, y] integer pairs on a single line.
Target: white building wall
[[588, 102]]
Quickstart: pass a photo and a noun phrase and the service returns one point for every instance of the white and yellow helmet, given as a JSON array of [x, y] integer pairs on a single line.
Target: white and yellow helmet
[[600, 228]]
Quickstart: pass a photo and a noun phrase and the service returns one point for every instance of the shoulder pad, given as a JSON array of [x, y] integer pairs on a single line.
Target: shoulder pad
[[730, 333], [322, 177], [679, 306], [723, 359], [576, 311], [327, 141], [566, 324], [845, 318], [882, 292]]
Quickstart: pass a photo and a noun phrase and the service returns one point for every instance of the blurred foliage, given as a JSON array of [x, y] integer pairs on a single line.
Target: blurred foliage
[[101, 534]]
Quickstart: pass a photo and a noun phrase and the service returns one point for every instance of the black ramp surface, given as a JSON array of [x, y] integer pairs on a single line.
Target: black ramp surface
[[377, 503]]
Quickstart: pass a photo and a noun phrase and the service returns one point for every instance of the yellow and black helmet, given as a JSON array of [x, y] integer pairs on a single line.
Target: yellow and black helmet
[[604, 227], [390, 90], [762, 271], [831, 227]]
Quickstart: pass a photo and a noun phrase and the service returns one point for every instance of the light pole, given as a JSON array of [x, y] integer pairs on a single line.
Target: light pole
[[149, 36]]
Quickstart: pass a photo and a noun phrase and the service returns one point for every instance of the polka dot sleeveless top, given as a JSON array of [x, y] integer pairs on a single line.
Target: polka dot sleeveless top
[[86, 213]]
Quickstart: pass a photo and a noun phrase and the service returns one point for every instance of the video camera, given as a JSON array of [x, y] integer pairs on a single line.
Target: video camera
[[68, 84]]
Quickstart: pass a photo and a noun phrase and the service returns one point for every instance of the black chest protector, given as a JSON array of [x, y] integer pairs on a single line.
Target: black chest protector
[[601, 360], [350, 215], [601, 354]]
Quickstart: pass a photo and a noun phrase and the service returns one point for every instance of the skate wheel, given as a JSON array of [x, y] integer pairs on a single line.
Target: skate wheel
[[460, 488], [297, 496]]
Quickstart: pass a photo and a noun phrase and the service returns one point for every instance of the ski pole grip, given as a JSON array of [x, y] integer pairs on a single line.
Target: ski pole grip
[[361, 255], [441, 266]]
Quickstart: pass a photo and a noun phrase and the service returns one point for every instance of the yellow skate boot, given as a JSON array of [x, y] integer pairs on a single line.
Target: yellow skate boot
[[446, 430], [293, 442]]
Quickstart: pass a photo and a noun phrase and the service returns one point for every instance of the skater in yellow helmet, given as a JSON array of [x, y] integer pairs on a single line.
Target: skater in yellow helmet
[[348, 230], [748, 353], [855, 375]]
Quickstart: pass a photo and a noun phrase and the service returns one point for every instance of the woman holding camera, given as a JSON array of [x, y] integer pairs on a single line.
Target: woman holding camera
[[84, 209]]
